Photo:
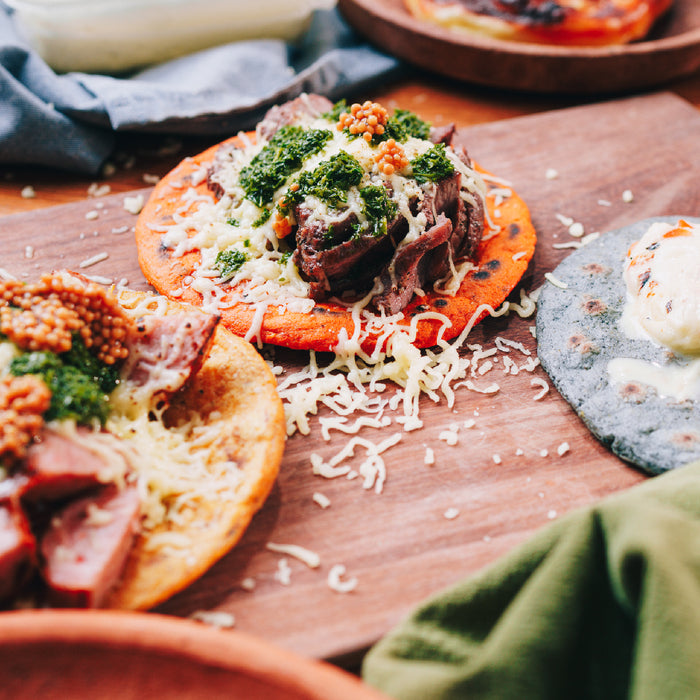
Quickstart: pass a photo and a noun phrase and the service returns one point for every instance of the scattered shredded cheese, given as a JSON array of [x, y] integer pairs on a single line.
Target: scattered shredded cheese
[[336, 582], [214, 618], [321, 499], [89, 262], [134, 204], [556, 282], [538, 381], [283, 574], [311, 559], [97, 190]]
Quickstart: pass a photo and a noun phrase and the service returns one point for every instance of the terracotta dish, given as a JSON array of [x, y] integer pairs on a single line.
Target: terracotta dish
[[103, 654], [671, 51]]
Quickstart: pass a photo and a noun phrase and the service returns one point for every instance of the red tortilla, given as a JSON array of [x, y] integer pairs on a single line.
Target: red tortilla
[[501, 261]]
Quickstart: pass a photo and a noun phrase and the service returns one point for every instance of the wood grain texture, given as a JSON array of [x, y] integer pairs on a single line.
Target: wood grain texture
[[399, 544], [671, 51]]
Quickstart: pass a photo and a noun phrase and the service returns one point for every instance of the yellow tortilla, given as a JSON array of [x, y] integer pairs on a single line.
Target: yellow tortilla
[[236, 384]]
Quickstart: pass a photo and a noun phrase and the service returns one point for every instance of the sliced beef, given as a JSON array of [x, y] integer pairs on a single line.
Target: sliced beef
[[408, 270], [164, 351], [280, 115], [17, 548], [58, 466], [442, 134], [86, 547], [336, 261]]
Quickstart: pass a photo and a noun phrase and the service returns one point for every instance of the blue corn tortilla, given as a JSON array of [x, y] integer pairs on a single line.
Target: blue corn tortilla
[[578, 333]]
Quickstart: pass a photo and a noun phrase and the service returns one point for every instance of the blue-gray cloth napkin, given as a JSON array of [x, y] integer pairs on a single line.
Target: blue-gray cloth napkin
[[69, 121]]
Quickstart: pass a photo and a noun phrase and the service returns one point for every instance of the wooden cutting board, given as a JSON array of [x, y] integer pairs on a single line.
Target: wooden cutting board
[[399, 544]]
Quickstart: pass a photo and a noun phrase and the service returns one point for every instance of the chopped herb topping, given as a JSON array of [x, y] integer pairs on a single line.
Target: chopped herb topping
[[284, 154], [80, 357], [74, 393], [265, 214], [379, 208], [233, 222], [329, 182], [338, 108], [411, 123], [228, 262], [433, 165]]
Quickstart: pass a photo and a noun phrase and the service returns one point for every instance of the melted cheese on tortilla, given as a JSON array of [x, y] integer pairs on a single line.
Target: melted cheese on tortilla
[[679, 382], [174, 466], [663, 306], [663, 287], [268, 276]]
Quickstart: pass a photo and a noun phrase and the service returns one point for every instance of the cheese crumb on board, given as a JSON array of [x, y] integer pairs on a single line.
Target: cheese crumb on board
[[97, 190], [538, 381], [134, 204], [451, 513], [337, 583], [89, 262], [284, 572], [556, 282], [214, 618], [321, 499], [576, 229], [449, 436], [311, 559]]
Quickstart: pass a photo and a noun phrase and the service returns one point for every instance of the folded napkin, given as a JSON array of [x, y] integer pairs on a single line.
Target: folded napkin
[[68, 121], [604, 603]]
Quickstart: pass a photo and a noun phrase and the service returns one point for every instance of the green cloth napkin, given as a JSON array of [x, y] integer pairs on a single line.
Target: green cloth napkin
[[603, 603]]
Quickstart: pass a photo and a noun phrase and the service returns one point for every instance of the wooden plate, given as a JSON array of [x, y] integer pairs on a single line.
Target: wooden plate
[[672, 51], [103, 655]]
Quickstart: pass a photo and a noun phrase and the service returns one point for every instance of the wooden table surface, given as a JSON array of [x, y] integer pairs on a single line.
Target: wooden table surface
[[349, 627]]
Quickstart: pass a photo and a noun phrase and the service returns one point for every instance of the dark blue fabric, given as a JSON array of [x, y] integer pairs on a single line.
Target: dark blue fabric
[[68, 121]]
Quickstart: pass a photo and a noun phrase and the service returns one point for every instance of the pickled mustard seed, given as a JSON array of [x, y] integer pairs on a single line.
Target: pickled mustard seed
[[23, 401], [367, 120], [390, 157]]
